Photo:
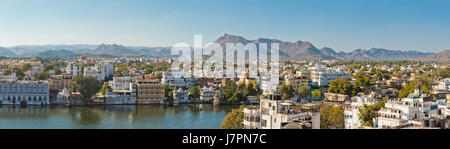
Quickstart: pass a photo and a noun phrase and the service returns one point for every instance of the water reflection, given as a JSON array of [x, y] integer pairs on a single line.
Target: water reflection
[[118, 116]]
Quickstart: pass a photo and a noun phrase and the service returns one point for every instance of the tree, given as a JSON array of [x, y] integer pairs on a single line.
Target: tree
[[42, 76], [159, 75], [317, 92], [87, 86], [19, 72], [234, 119], [303, 91], [250, 90], [194, 92], [229, 89], [26, 67], [168, 93], [287, 91], [148, 71], [362, 81], [332, 117], [105, 88], [122, 69], [368, 112], [342, 86], [443, 73]]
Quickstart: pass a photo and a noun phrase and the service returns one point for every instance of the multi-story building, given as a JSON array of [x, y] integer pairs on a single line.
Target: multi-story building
[[59, 82], [150, 91], [351, 114], [123, 91], [275, 113], [101, 71], [207, 94], [74, 68], [122, 83], [297, 81], [177, 79], [13, 91], [406, 111], [252, 117], [180, 96], [321, 76]]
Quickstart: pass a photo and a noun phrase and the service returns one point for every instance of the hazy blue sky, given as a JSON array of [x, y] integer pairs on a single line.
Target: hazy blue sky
[[339, 24]]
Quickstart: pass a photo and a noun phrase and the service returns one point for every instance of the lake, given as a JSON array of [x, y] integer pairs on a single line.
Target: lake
[[198, 116]]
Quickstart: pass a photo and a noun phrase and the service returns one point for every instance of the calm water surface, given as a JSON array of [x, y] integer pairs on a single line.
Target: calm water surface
[[202, 116]]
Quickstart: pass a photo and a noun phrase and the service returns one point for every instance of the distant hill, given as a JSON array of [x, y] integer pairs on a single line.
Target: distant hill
[[57, 53], [303, 50], [6, 53], [299, 50], [443, 56]]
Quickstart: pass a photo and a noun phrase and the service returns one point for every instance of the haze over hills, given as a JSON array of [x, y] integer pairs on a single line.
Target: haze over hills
[[443, 56], [303, 50], [299, 50]]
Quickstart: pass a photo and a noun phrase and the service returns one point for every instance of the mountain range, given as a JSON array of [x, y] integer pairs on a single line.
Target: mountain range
[[443, 56], [299, 50]]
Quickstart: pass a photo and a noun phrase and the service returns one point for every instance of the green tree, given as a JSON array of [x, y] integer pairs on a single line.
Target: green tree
[[362, 81], [105, 88], [332, 117], [159, 75], [317, 92], [287, 91], [234, 119], [42, 76], [87, 86], [229, 89], [26, 67], [168, 93], [368, 112], [194, 92], [342, 86], [250, 90], [303, 91]]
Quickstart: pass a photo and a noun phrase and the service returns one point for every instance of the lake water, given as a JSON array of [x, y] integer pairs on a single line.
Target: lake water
[[201, 116]]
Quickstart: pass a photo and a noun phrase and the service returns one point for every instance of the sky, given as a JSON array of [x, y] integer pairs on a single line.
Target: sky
[[344, 25]]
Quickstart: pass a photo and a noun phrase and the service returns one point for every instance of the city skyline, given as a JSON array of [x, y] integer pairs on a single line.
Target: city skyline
[[343, 26]]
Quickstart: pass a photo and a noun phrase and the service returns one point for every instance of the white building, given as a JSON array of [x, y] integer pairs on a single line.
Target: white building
[[321, 76], [207, 94], [13, 91], [407, 111], [122, 83], [63, 97], [101, 71], [124, 91], [73, 68], [252, 117], [351, 114], [180, 96], [176, 79], [275, 113]]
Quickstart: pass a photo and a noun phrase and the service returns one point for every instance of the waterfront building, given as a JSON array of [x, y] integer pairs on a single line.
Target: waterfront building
[[322, 77], [59, 82], [13, 91], [207, 94], [122, 83], [150, 91], [180, 96], [177, 79]]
